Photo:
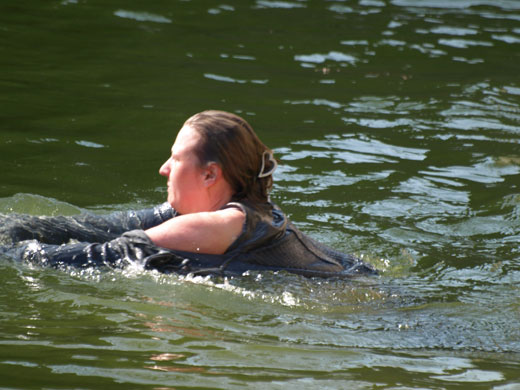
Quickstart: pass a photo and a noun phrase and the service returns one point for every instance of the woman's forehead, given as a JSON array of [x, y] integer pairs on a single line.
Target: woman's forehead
[[186, 141]]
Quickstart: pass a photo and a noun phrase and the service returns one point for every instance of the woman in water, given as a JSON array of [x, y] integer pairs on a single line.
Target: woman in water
[[218, 218]]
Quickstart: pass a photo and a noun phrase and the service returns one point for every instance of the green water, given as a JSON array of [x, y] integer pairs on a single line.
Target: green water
[[397, 123]]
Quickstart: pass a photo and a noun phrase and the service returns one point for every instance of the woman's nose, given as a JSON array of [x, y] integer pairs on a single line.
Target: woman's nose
[[164, 170]]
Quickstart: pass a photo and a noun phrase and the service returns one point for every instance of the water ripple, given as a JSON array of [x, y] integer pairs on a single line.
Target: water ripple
[[366, 146], [448, 30], [227, 79], [321, 58], [486, 171], [459, 4], [142, 16], [278, 4], [463, 43]]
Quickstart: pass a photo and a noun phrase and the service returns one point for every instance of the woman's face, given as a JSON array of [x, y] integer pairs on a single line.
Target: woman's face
[[186, 189]]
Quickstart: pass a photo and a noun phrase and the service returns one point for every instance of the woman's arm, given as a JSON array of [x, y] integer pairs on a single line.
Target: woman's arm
[[207, 232], [86, 227], [132, 246]]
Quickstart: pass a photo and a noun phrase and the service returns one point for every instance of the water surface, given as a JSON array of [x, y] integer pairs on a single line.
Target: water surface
[[397, 123]]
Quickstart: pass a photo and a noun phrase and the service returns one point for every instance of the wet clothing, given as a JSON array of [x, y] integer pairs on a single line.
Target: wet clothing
[[264, 224], [268, 242]]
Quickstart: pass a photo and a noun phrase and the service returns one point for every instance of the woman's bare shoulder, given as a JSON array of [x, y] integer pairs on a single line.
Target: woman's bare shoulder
[[210, 232]]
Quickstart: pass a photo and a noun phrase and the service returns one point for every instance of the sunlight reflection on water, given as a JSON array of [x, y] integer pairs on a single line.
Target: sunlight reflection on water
[[397, 128]]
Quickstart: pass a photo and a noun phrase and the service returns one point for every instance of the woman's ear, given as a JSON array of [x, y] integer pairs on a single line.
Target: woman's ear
[[212, 173]]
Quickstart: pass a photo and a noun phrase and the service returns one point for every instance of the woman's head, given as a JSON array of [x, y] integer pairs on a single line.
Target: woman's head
[[228, 140]]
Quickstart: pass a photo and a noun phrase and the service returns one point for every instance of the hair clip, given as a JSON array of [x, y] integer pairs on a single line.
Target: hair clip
[[272, 160]]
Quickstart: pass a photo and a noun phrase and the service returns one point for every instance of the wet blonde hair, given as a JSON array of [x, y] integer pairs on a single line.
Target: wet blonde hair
[[231, 142]]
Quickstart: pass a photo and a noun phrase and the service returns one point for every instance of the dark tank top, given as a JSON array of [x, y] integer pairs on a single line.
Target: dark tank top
[[264, 223]]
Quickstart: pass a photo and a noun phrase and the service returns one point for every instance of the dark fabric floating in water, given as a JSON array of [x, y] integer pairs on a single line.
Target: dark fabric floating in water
[[119, 239], [84, 227]]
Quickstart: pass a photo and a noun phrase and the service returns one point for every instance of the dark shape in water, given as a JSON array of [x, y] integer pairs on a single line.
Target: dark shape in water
[[117, 239]]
